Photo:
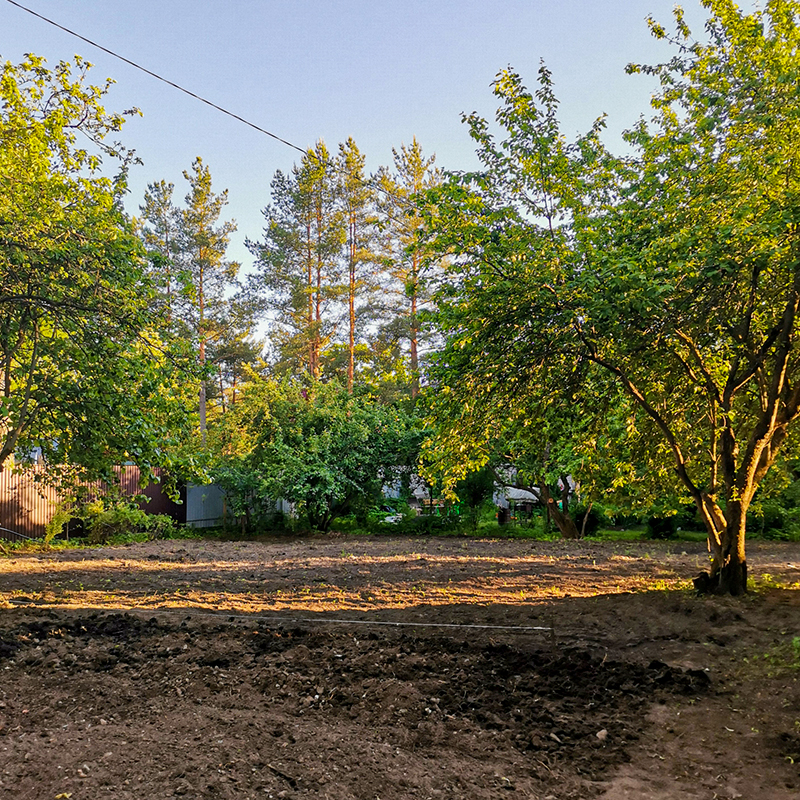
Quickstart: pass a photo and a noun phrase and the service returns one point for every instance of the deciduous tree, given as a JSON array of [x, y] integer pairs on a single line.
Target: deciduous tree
[[672, 271], [84, 372], [319, 447]]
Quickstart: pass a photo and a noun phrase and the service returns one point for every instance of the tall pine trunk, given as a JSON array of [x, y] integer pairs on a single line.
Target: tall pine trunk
[[352, 338], [201, 357], [414, 354], [312, 361]]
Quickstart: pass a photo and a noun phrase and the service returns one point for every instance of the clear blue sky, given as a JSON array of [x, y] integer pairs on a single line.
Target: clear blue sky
[[381, 71]]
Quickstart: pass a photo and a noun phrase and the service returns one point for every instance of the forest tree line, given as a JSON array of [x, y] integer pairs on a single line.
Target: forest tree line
[[625, 324]]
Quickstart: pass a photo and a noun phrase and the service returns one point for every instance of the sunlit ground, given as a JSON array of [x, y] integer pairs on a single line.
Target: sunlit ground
[[342, 575]]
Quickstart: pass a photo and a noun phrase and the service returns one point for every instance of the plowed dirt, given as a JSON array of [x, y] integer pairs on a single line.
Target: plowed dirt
[[396, 668]]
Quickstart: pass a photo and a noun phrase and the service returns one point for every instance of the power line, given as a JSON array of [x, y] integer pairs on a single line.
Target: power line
[[306, 152], [159, 77]]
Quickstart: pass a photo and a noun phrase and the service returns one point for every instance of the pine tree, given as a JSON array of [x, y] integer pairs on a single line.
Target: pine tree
[[235, 357], [202, 244], [402, 221], [299, 260], [160, 233], [357, 198]]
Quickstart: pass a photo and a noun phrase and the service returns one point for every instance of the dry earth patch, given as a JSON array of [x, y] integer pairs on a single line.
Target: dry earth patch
[[200, 669]]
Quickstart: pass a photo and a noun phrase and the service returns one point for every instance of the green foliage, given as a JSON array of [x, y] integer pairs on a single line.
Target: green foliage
[[161, 526], [402, 222], [109, 517], [55, 527], [660, 290], [86, 375], [339, 268], [661, 527], [473, 491], [300, 274], [588, 519], [104, 518], [422, 525], [320, 448]]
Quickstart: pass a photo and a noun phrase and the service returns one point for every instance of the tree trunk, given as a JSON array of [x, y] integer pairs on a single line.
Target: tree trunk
[[312, 367], [729, 570], [562, 519], [352, 339], [586, 519], [201, 355], [202, 394], [726, 543], [414, 334]]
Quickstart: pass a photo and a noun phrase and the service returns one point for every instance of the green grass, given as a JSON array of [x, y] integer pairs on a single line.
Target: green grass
[[766, 581], [780, 659]]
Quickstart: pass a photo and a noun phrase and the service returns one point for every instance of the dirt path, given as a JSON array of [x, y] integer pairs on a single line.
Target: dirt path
[[466, 669]]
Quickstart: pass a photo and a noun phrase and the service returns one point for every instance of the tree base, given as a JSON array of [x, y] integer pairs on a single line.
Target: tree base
[[725, 581], [703, 583]]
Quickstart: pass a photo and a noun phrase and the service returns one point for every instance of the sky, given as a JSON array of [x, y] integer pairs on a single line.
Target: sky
[[381, 71]]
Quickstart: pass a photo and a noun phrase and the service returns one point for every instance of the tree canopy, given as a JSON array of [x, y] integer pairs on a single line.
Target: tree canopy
[[668, 275], [84, 375], [320, 447]]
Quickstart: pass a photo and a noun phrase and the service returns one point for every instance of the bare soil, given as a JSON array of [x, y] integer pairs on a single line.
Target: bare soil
[[389, 668]]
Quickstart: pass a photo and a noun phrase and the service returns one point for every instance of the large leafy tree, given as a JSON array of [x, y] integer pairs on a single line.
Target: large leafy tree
[[673, 271], [84, 375], [320, 447]]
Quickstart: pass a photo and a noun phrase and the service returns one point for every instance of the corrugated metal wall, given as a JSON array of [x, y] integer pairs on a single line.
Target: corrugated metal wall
[[205, 506], [27, 504]]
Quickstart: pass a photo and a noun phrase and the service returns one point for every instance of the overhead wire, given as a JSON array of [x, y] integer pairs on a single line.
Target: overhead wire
[[305, 151], [158, 77]]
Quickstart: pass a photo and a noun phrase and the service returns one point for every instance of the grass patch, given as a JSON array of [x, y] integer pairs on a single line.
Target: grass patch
[[781, 659], [765, 582]]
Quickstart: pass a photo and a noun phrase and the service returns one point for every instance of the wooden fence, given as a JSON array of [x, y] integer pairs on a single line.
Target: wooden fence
[[27, 503]]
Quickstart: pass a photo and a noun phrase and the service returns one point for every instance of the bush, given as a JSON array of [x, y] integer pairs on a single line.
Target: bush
[[160, 526], [61, 519], [770, 519], [593, 521], [321, 448], [424, 525], [107, 517], [104, 518], [661, 527]]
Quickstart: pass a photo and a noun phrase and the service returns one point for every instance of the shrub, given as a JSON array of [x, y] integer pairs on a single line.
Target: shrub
[[661, 527], [104, 518], [423, 525], [593, 521], [64, 513], [107, 517], [160, 526]]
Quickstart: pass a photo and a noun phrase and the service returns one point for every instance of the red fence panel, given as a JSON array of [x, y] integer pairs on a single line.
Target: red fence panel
[[27, 504]]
